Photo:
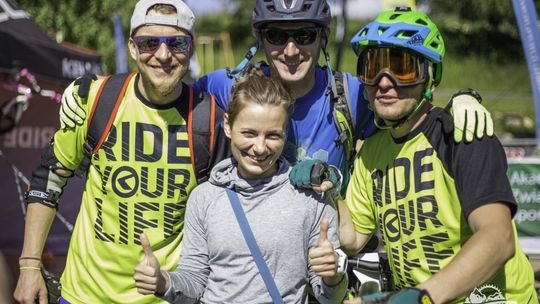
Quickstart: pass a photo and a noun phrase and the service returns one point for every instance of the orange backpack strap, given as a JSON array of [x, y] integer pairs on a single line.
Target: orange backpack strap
[[102, 115]]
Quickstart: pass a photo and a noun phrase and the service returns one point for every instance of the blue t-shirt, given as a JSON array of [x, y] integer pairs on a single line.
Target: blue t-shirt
[[312, 132]]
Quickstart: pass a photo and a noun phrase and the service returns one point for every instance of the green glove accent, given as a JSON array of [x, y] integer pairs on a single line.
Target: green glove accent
[[404, 296], [312, 172], [470, 117]]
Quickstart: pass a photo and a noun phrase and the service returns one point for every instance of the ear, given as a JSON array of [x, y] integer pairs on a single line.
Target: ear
[[132, 49], [226, 125]]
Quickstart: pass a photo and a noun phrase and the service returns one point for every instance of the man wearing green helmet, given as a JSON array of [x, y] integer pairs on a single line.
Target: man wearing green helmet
[[444, 209]]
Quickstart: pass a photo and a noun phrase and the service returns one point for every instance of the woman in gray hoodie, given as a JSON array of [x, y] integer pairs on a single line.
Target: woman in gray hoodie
[[295, 229]]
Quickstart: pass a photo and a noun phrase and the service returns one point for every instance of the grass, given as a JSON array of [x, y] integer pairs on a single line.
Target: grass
[[505, 88]]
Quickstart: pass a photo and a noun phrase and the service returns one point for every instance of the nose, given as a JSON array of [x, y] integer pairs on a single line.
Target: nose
[[259, 146], [290, 48], [163, 53], [385, 82]]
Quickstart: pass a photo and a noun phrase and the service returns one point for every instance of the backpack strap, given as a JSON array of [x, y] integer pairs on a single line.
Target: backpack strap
[[343, 119], [102, 115], [203, 125]]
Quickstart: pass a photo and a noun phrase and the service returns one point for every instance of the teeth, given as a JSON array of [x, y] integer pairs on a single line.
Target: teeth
[[257, 158]]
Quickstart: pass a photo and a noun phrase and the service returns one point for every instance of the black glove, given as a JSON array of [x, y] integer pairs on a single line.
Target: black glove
[[54, 289], [312, 172]]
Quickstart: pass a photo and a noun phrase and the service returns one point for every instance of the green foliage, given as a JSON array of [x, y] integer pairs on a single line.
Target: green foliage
[[85, 23], [240, 26], [484, 49], [486, 28]]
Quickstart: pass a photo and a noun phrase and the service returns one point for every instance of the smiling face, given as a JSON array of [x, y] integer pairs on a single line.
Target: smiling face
[[257, 135], [161, 71], [293, 62]]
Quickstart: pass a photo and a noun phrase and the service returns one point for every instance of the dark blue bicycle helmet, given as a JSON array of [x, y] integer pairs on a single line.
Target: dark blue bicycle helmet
[[266, 11]]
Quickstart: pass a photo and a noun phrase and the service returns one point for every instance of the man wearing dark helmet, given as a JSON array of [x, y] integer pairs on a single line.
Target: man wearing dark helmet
[[292, 34]]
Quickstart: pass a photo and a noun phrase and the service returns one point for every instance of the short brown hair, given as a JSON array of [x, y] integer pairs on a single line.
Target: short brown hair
[[256, 88], [162, 9]]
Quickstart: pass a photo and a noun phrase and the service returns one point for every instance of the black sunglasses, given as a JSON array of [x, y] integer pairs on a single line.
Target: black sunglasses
[[302, 36], [150, 44]]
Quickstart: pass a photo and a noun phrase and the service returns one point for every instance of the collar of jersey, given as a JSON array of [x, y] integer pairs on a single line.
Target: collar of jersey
[[184, 97]]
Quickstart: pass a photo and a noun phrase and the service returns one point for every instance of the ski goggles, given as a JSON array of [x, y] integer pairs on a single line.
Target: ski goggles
[[175, 44], [302, 36], [404, 67]]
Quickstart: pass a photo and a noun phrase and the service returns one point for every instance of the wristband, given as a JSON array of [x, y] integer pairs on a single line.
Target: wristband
[[29, 258], [29, 268]]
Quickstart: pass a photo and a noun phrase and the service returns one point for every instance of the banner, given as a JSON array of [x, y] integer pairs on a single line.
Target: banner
[[524, 177], [121, 56], [20, 153], [530, 38]]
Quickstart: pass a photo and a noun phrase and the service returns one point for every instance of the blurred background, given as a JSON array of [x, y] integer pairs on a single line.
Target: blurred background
[[484, 49], [45, 44]]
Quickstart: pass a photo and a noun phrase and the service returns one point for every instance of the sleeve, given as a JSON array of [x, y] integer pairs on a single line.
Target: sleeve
[[189, 280], [480, 174], [218, 84], [361, 111], [57, 163], [324, 293], [359, 199]]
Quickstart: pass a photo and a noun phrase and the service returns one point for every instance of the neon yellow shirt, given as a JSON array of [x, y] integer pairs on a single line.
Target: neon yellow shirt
[[420, 190], [138, 182]]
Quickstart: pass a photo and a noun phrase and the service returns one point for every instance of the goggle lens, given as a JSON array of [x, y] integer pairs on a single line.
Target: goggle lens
[[150, 44], [303, 36], [406, 68]]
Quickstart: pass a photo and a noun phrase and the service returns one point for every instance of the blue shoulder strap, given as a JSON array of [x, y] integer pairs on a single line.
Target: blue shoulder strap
[[253, 247]]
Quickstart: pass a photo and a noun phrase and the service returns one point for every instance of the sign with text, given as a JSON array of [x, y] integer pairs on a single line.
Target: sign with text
[[524, 177]]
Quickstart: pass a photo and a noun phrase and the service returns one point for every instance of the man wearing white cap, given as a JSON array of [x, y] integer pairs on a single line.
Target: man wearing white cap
[[138, 181]]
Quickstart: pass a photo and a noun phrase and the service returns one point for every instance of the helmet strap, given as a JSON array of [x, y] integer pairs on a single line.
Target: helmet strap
[[330, 80]]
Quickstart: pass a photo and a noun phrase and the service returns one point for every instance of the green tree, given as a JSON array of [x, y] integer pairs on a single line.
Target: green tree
[[487, 28], [85, 23]]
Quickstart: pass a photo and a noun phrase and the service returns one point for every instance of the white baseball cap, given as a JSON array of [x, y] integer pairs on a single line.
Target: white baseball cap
[[184, 18]]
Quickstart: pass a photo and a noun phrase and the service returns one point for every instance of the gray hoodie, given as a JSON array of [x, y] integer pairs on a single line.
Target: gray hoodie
[[216, 264]]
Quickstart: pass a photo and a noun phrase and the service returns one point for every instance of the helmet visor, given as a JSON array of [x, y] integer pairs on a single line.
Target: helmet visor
[[403, 66]]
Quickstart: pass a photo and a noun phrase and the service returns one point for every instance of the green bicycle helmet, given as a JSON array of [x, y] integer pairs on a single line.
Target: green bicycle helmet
[[407, 29]]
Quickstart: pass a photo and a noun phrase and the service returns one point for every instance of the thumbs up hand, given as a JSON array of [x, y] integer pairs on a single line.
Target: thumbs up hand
[[149, 279], [322, 258]]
